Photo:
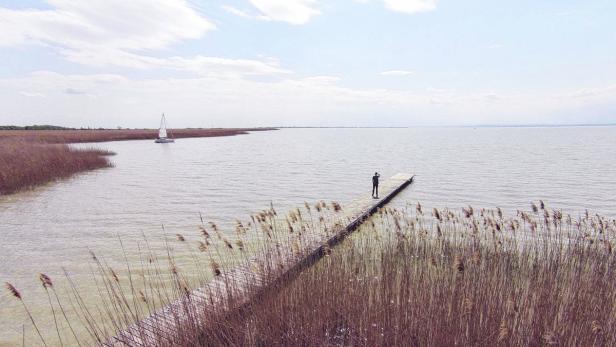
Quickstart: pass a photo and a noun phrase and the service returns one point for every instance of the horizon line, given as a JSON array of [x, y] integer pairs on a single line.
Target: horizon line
[[522, 125]]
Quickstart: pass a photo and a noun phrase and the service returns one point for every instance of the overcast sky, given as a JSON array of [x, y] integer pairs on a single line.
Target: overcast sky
[[307, 62]]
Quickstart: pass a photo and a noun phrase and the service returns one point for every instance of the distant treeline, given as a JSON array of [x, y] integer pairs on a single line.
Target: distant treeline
[[55, 127], [34, 127]]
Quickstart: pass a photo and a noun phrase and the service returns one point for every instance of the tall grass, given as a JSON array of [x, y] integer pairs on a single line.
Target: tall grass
[[406, 277], [155, 277], [80, 136], [33, 157], [24, 164], [445, 280]]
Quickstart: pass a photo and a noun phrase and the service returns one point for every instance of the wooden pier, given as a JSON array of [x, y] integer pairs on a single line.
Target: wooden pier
[[249, 284]]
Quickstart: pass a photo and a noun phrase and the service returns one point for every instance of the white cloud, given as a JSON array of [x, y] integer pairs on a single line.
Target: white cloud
[[31, 95], [397, 73], [244, 14], [290, 11], [102, 33], [113, 24], [200, 64], [410, 6], [236, 11], [322, 80], [589, 93], [111, 100], [438, 90], [224, 66]]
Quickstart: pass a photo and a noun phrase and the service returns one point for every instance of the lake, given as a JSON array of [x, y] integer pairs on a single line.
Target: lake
[[224, 178]]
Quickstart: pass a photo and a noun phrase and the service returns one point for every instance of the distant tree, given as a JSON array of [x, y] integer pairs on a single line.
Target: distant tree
[[34, 127], [10, 127]]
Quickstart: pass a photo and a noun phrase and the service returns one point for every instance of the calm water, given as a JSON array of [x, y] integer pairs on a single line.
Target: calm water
[[226, 178]]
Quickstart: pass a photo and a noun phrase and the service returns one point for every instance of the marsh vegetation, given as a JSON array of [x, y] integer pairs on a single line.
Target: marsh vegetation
[[25, 164], [29, 158], [105, 135], [406, 277]]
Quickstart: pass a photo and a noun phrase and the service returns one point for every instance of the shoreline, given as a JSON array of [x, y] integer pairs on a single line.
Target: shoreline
[[108, 135], [31, 158], [25, 164]]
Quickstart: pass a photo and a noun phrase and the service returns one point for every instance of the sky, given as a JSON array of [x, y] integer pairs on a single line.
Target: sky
[[241, 63]]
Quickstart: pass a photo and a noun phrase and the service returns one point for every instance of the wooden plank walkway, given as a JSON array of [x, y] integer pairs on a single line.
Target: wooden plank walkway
[[272, 270]]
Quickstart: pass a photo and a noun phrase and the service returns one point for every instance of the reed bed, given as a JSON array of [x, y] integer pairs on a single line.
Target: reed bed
[[34, 157], [105, 135], [407, 277], [444, 280], [25, 164], [151, 279]]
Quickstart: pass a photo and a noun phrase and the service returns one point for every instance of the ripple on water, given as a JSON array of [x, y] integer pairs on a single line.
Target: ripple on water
[[229, 177]]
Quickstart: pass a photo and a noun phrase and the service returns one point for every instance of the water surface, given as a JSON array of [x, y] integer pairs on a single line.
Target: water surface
[[151, 185]]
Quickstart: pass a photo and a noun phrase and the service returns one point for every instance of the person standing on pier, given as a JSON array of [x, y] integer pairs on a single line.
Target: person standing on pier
[[375, 185]]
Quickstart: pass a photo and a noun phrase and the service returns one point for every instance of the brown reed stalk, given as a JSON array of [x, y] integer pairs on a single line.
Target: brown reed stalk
[[17, 295], [47, 283], [478, 283]]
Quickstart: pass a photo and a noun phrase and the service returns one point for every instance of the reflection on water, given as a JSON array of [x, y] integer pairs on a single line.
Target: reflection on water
[[229, 177]]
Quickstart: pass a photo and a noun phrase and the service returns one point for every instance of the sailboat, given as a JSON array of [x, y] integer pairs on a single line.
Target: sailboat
[[162, 132]]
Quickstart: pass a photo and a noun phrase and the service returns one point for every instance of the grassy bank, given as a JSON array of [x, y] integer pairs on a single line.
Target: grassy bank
[[408, 277], [33, 157], [445, 281], [25, 164], [80, 136]]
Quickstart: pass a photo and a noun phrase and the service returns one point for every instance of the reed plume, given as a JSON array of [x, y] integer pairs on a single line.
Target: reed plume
[[11, 288], [458, 270], [215, 268]]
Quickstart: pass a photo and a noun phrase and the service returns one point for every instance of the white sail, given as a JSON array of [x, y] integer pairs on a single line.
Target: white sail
[[162, 131]]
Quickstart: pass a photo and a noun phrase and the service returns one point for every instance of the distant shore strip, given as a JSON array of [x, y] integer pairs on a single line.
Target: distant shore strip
[[29, 158]]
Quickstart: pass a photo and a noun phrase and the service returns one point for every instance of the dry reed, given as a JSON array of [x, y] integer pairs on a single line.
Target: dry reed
[[404, 278], [25, 164], [448, 279], [33, 157], [80, 136]]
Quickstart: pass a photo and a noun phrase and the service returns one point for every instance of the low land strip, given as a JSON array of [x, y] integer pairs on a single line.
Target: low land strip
[[105, 135], [30, 158]]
